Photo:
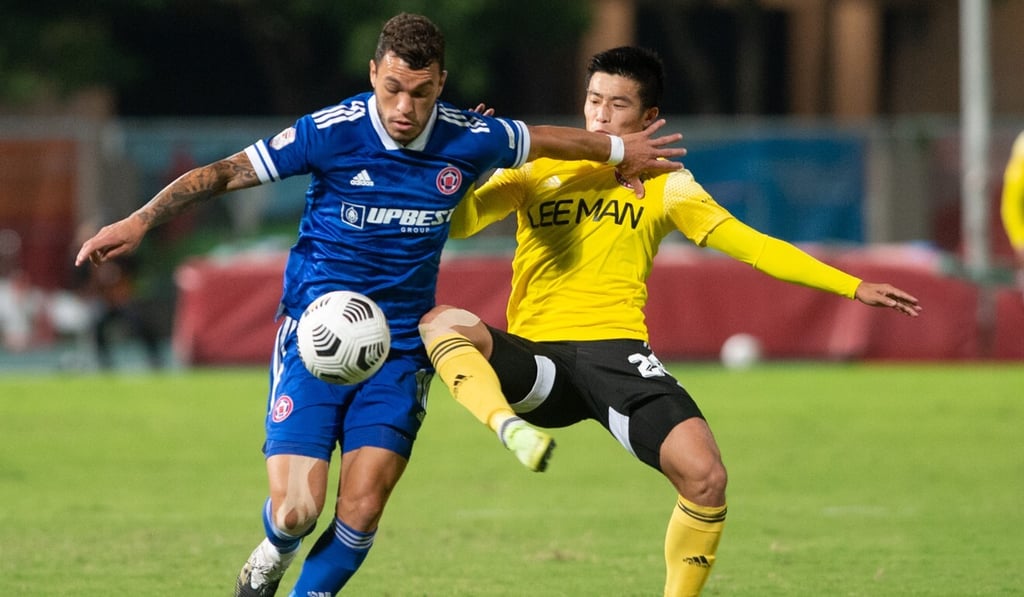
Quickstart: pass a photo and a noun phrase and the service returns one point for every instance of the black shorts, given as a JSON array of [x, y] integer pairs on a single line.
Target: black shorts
[[619, 383]]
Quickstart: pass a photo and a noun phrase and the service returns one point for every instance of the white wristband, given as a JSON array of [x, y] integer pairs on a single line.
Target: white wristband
[[618, 151]]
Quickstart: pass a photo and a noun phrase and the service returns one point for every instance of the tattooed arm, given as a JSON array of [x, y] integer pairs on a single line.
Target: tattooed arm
[[195, 186]]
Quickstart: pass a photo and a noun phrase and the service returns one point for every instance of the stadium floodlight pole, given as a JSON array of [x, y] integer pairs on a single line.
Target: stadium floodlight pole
[[975, 127], [975, 132]]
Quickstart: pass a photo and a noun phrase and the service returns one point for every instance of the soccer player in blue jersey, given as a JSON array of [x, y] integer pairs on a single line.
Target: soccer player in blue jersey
[[387, 169]]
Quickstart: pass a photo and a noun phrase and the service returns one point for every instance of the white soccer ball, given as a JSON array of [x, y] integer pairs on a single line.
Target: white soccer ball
[[741, 351], [343, 337]]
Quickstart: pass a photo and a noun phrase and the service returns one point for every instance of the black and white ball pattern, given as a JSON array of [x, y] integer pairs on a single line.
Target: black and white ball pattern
[[343, 337]]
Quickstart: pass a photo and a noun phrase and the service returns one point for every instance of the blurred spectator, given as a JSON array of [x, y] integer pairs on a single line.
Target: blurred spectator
[[22, 315], [120, 311]]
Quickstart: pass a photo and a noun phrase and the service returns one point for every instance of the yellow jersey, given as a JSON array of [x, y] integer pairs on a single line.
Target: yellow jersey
[[1013, 195], [586, 245]]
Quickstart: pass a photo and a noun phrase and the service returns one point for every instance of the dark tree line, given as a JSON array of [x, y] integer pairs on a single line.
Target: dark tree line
[[259, 57]]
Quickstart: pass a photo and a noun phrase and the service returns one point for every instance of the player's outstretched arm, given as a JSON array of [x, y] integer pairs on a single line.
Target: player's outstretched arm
[[195, 186], [639, 153], [885, 295], [784, 261]]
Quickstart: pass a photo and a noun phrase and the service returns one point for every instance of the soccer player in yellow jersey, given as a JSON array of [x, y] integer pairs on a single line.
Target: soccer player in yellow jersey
[[576, 346], [1013, 204]]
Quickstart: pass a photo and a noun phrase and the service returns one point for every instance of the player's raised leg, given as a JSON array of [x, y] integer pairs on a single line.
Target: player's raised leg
[[458, 344]]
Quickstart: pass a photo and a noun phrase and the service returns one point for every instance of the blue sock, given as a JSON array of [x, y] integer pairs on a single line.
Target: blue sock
[[333, 560], [284, 542]]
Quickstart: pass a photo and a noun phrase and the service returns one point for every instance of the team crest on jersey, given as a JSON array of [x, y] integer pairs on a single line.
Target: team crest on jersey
[[353, 215], [283, 407], [284, 138], [449, 180]]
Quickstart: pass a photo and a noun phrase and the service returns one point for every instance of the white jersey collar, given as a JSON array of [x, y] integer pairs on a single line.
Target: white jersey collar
[[417, 144]]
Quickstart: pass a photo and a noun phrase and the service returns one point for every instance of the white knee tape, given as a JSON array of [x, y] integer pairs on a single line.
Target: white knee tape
[[298, 499], [446, 321]]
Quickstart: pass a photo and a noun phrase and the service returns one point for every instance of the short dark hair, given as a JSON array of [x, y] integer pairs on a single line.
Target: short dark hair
[[639, 64], [414, 39]]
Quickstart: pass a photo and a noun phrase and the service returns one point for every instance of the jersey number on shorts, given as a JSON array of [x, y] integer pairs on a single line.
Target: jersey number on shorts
[[648, 365]]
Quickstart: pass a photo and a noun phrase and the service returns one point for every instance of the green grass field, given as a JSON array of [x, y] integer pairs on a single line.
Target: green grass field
[[850, 480]]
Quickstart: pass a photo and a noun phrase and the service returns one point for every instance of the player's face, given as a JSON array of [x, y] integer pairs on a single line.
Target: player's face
[[405, 97], [613, 105]]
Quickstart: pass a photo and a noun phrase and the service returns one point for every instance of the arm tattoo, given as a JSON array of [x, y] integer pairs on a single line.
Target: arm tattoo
[[198, 185]]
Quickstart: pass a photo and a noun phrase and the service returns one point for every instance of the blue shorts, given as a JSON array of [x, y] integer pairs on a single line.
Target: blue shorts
[[309, 417]]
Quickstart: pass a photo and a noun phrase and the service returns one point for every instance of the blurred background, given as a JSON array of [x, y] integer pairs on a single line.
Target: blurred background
[[844, 126]]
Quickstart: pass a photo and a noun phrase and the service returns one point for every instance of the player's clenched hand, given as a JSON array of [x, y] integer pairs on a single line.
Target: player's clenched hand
[[120, 238], [649, 155], [884, 295]]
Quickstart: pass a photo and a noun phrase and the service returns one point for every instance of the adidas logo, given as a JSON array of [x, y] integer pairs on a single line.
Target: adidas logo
[[458, 382], [362, 179], [700, 561]]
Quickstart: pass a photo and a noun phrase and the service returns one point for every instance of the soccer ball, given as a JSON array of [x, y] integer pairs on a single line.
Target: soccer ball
[[741, 351], [343, 337]]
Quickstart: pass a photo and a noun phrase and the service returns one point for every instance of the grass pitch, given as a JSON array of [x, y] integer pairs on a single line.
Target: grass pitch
[[853, 480]]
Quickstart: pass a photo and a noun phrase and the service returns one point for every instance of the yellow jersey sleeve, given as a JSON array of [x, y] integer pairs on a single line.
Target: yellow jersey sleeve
[[489, 202], [1012, 207], [691, 208], [779, 259]]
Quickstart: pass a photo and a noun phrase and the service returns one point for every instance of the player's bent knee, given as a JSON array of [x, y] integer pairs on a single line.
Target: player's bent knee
[[294, 506], [717, 478], [362, 513], [703, 489], [444, 319], [432, 314], [691, 461], [296, 515], [709, 487]]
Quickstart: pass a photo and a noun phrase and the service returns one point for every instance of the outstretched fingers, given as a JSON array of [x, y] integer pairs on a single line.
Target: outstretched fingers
[[904, 303], [663, 140], [885, 295], [649, 156]]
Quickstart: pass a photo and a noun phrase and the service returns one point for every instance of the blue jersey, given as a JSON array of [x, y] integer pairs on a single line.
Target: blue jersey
[[377, 213]]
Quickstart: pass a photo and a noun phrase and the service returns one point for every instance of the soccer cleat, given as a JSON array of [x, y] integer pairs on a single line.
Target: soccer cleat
[[262, 572], [531, 446]]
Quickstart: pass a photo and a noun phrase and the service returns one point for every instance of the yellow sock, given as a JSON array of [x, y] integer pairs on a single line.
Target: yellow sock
[[690, 545], [470, 379]]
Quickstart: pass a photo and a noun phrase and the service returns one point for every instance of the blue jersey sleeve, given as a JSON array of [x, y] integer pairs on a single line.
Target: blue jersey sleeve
[[285, 154], [485, 142]]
